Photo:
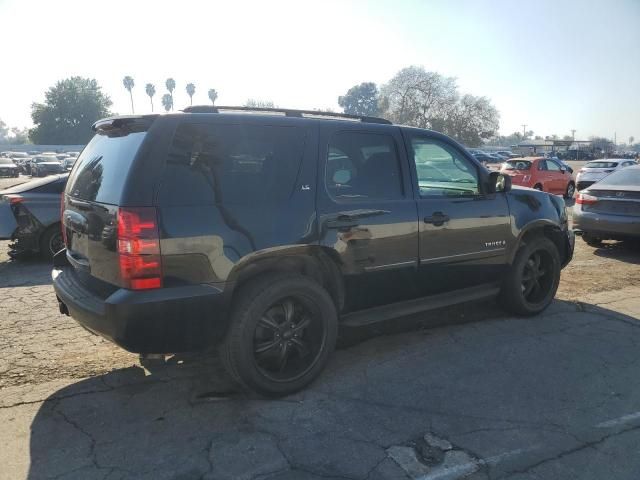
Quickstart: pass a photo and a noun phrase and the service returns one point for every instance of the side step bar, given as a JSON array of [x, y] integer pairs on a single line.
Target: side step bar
[[424, 304]]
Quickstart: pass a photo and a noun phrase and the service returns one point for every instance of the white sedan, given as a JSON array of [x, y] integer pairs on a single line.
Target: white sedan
[[598, 169]]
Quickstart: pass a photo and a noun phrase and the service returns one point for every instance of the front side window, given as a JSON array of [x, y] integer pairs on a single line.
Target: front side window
[[442, 170], [553, 166], [363, 166]]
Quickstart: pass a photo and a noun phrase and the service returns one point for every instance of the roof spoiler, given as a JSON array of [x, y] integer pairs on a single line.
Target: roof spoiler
[[129, 123]]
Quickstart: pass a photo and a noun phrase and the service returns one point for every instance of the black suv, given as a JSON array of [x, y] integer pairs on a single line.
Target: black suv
[[262, 231]]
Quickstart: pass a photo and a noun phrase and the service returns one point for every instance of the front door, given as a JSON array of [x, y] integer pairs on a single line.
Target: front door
[[367, 213], [465, 232]]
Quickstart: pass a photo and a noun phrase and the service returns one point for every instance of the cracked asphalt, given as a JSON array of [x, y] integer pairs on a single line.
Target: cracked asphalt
[[466, 392]]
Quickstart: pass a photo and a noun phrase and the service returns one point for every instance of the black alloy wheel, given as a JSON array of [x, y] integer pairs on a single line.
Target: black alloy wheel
[[288, 339], [537, 277]]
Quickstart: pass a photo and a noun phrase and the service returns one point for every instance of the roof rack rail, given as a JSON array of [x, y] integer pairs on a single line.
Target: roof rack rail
[[285, 111]]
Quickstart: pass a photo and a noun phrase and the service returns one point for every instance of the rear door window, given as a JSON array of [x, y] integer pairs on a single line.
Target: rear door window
[[247, 165], [100, 171], [363, 166]]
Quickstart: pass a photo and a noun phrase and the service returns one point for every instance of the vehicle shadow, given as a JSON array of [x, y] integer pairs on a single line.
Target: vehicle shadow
[[30, 270], [625, 251], [461, 370]]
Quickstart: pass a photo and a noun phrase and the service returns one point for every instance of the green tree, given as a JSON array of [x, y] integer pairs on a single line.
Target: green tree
[[191, 90], [150, 88], [129, 84], [213, 95], [71, 106], [170, 83], [631, 139], [470, 121], [360, 99], [167, 102]]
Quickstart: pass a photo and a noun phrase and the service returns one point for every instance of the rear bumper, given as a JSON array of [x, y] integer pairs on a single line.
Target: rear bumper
[[167, 320], [606, 226]]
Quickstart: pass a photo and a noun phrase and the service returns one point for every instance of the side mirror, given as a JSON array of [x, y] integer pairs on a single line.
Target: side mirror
[[563, 169], [499, 182]]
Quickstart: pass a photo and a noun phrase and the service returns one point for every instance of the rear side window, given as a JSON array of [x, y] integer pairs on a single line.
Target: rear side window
[[101, 169], [246, 165], [363, 166]]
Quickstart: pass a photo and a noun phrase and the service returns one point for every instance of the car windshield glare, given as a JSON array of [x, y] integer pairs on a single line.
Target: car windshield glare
[[517, 165]]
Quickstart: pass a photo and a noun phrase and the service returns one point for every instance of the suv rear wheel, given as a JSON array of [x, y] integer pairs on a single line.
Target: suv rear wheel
[[283, 328], [533, 277]]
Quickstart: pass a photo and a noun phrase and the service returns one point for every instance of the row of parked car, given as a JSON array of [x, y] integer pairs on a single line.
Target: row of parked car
[[36, 164]]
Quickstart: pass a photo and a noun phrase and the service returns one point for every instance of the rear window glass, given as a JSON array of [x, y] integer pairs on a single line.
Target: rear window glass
[[517, 165], [100, 171], [250, 165], [628, 176], [601, 165], [34, 184]]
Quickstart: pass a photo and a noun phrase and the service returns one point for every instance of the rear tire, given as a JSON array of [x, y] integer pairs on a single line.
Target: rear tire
[[51, 242], [532, 279], [282, 330], [537, 186], [591, 240]]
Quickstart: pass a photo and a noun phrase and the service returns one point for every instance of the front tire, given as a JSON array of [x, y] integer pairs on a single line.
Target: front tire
[[283, 329], [571, 190], [51, 242], [533, 278]]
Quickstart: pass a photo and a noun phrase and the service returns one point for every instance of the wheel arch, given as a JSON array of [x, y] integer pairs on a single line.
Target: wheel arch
[[314, 261], [540, 227]]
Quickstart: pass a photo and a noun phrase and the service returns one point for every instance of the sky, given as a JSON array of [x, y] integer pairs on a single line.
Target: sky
[[554, 65]]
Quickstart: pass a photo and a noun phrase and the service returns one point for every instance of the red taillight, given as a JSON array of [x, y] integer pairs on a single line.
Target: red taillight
[[15, 199], [64, 230], [139, 248], [585, 199]]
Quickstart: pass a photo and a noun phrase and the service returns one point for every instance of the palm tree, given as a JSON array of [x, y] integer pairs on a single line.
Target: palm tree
[[150, 88], [213, 95], [167, 101], [191, 89], [171, 86], [128, 84]]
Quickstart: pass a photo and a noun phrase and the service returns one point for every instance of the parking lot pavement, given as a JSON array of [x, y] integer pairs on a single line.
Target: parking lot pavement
[[472, 393]]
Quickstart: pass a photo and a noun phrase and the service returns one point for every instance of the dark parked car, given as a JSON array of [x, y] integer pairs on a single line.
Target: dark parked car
[[43, 165], [8, 168], [263, 233], [30, 216], [610, 208]]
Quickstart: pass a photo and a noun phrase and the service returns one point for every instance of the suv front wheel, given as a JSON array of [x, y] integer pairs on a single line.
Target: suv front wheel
[[283, 329], [533, 277]]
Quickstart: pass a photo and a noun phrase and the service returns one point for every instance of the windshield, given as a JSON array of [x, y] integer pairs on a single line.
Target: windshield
[[517, 165], [601, 165], [625, 176]]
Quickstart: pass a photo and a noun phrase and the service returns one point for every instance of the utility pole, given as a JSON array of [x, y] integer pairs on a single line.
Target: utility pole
[[573, 134], [524, 131]]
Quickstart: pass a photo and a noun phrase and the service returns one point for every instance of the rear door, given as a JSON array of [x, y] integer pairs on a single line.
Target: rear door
[[93, 194], [465, 232], [367, 213]]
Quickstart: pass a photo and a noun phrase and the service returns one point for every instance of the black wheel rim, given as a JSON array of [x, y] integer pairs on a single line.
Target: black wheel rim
[[56, 243], [537, 277], [288, 339]]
